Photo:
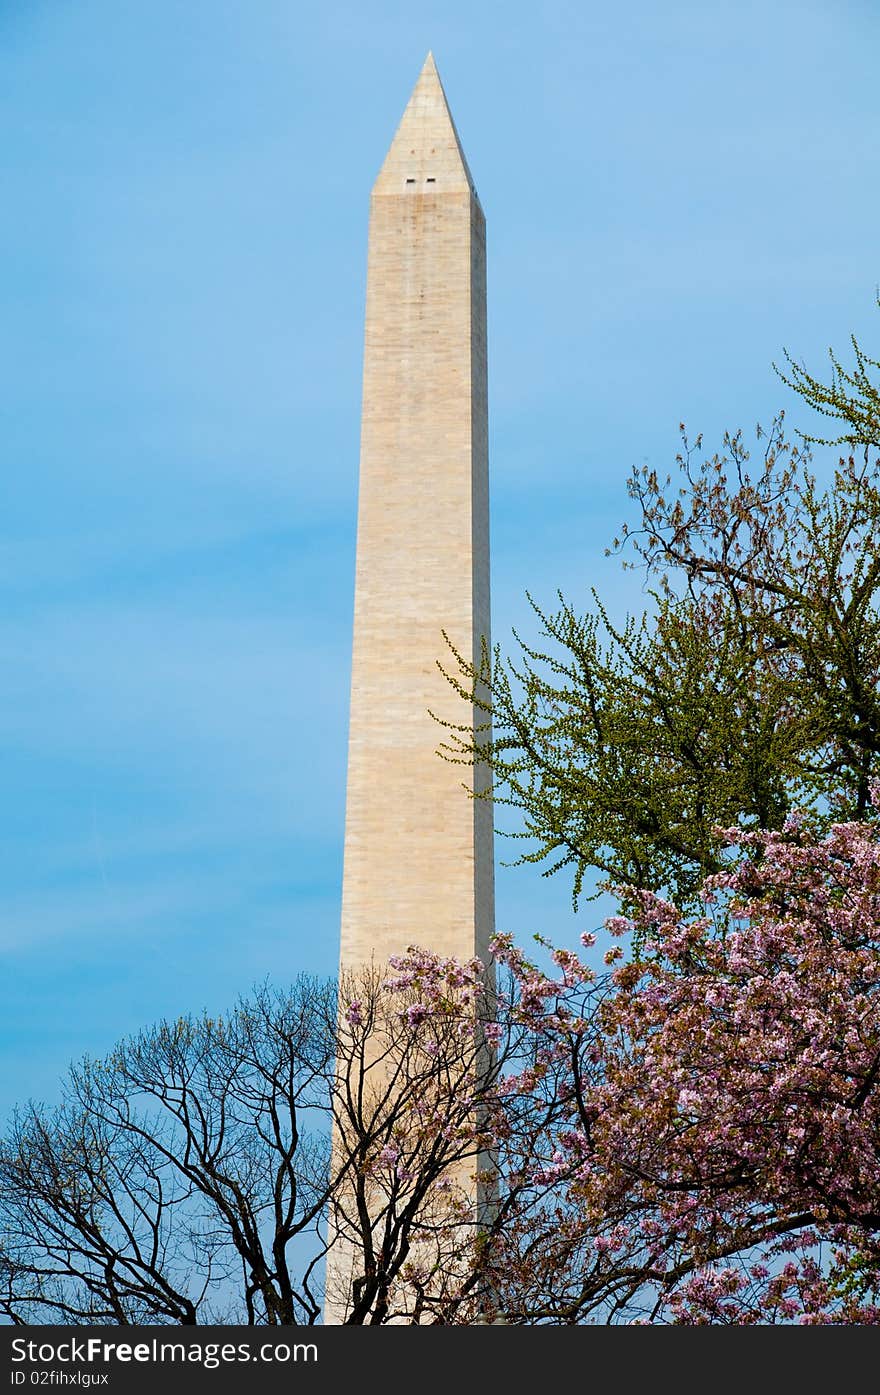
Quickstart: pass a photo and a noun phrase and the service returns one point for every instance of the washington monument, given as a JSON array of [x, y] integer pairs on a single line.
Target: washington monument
[[418, 852], [418, 867]]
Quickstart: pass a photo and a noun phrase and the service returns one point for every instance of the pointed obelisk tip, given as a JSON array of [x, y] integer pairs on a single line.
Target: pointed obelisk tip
[[426, 154]]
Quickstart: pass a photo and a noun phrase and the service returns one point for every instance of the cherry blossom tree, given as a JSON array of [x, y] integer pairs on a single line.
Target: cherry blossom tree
[[694, 1134], [714, 1154]]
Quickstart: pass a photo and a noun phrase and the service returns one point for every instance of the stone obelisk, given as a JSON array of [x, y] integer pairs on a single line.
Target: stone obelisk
[[418, 866], [418, 852]]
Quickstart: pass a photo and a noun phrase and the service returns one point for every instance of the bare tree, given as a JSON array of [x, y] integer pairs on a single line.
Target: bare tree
[[201, 1171], [183, 1179], [415, 1114]]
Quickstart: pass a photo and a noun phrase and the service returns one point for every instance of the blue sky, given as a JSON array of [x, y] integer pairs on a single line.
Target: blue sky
[[673, 192]]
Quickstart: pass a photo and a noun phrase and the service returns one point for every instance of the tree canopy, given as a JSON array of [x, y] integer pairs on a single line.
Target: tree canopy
[[201, 1171], [749, 687]]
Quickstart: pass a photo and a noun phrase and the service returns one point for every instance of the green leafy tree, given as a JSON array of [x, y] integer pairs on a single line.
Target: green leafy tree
[[749, 686]]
